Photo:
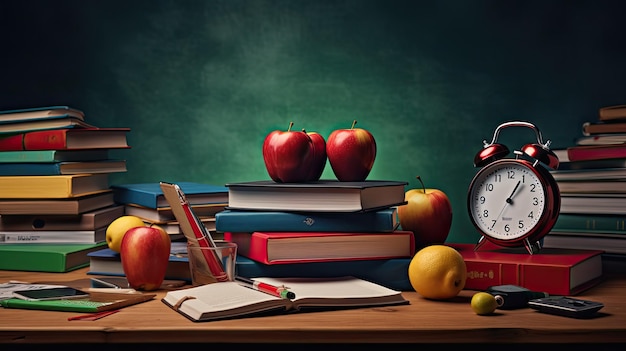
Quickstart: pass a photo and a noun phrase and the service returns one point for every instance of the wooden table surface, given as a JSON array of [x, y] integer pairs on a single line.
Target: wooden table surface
[[423, 321]]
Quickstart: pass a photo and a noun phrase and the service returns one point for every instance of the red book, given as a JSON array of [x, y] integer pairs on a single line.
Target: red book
[[596, 152], [552, 270], [67, 139], [300, 247]]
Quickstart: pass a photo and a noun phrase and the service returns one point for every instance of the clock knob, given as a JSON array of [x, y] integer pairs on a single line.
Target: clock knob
[[542, 154], [489, 154]]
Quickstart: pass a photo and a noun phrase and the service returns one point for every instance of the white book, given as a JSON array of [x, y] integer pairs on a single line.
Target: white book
[[53, 236], [232, 299], [593, 203]]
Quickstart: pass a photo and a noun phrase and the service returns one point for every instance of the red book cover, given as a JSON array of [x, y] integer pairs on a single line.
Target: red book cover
[[299, 247], [67, 139], [596, 152], [551, 270]]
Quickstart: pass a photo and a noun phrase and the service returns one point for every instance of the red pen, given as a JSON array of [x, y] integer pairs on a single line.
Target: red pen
[[92, 316], [278, 291], [204, 239]]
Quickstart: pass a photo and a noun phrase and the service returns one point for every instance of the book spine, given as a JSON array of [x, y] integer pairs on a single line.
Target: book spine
[[126, 196], [53, 237], [12, 143], [28, 169], [54, 139], [482, 275], [250, 221], [597, 153], [252, 247], [591, 224]]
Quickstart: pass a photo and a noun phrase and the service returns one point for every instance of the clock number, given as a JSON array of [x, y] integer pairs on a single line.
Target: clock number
[[498, 178], [535, 201], [510, 174], [532, 188], [489, 187], [520, 224], [482, 200], [507, 228], [485, 213]]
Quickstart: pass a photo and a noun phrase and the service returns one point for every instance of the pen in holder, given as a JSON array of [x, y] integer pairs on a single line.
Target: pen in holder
[[225, 252]]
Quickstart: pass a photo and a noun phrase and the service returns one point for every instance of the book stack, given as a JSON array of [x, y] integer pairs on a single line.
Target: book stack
[[146, 201], [592, 181], [54, 187], [325, 228]]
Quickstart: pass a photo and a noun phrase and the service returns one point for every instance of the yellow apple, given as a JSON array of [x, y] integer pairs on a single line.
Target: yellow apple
[[116, 230], [427, 213]]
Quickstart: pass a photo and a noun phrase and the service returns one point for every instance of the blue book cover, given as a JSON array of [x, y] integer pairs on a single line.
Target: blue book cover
[[385, 220], [391, 273], [150, 194]]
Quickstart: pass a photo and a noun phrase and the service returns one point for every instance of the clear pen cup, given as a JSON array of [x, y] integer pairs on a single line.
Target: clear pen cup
[[212, 264]]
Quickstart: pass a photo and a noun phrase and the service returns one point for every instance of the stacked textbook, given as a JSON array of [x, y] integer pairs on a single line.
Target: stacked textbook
[[323, 229], [592, 181], [55, 196]]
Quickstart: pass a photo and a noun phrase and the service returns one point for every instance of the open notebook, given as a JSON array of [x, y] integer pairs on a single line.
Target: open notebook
[[232, 300]]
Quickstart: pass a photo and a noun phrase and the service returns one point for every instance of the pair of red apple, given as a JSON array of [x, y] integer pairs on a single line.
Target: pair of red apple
[[300, 156]]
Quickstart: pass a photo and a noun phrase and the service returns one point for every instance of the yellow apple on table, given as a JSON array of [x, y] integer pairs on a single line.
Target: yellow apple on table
[[116, 230], [427, 213]]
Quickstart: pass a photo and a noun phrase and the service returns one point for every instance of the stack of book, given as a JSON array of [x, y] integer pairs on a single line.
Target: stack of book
[[592, 181], [319, 229], [146, 201], [54, 187]]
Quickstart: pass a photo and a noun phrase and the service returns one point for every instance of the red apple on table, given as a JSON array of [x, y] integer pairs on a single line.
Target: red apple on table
[[145, 253], [428, 214], [291, 156], [351, 153]]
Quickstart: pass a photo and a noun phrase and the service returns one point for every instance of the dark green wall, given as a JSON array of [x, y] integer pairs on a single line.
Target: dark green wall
[[202, 82]]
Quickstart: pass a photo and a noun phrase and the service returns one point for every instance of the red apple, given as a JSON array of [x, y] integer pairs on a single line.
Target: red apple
[[319, 157], [428, 214], [145, 253], [351, 153], [290, 156]]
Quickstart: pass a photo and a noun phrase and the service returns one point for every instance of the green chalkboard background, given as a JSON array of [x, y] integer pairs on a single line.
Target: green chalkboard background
[[201, 83]]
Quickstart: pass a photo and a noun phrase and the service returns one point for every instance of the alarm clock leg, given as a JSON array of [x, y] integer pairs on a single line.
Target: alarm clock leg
[[532, 248]]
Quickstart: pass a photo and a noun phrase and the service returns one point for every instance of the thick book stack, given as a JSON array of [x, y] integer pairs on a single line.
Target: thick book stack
[[325, 228], [146, 201], [54, 187], [592, 181]]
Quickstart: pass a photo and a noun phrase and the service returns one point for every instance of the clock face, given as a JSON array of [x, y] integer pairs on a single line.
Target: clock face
[[507, 200]]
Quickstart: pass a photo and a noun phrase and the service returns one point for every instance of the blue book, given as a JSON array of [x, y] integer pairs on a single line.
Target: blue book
[[385, 220], [60, 168], [391, 273], [150, 194]]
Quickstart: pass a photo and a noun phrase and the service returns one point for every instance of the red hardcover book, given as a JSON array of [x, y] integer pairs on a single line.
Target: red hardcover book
[[595, 152], [300, 247], [67, 139], [552, 270]]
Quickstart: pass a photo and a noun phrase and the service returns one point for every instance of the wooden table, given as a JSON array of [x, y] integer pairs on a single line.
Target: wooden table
[[422, 321]]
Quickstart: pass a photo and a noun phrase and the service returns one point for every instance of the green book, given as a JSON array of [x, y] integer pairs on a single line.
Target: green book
[[591, 223], [56, 258], [47, 156], [97, 302]]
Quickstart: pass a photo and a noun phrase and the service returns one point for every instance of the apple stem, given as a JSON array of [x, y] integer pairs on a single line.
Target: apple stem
[[353, 124], [290, 125], [423, 187]]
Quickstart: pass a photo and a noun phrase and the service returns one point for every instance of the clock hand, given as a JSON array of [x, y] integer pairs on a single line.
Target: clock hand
[[509, 200]]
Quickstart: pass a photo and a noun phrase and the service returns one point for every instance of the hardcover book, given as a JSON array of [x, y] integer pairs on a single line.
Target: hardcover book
[[602, 127], [612, 113], [68, 206], [590, 203], [555, 271], [596, 152], [231, 299], [95, 302], [608, 243], [57, 186], [36, 237], [91, 220], [322, 195], [54, 155], [39, 113], [614, 173], [52, 122], [67, 139], [62, 168], [300, 247], [385, 220], [55, 258], [590, 223], [151, 195], [165, 214], [592, 186]]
